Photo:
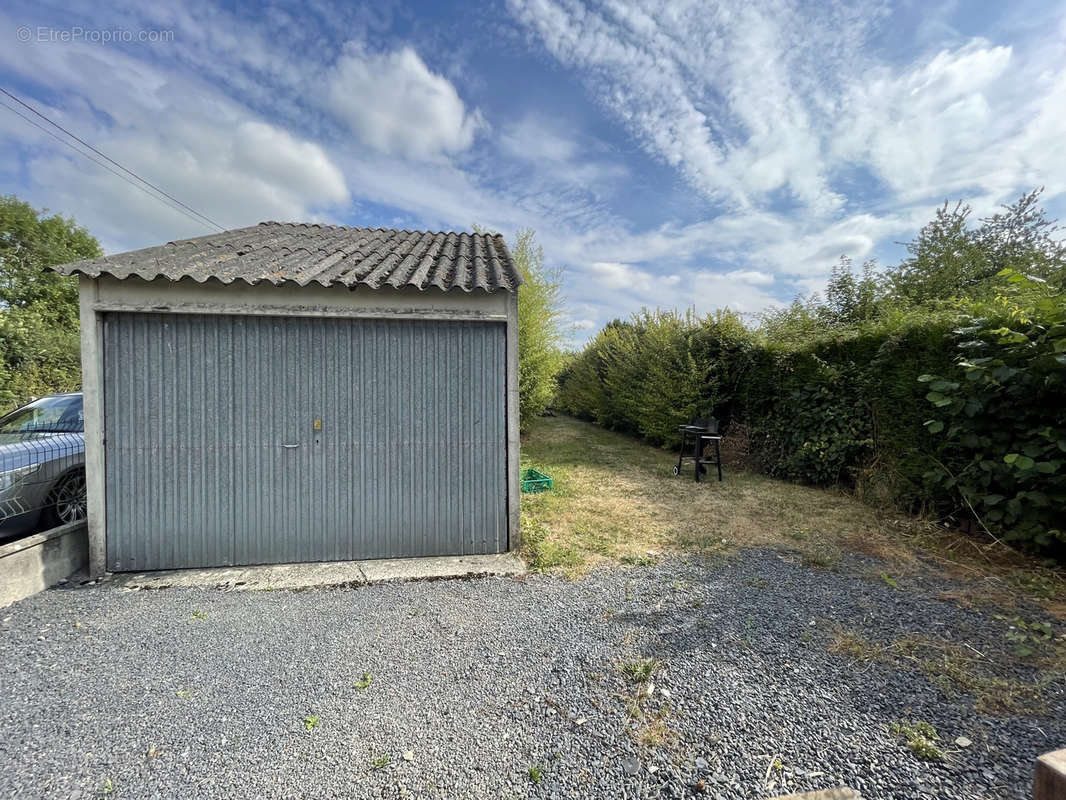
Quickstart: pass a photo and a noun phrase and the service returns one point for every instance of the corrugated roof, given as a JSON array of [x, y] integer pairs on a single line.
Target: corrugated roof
[[280, 252]]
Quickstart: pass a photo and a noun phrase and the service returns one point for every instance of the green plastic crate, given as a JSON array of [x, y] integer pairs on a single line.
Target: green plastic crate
[[535, 481]]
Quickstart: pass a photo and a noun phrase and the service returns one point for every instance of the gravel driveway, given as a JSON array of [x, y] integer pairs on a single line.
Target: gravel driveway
[[496, 688]]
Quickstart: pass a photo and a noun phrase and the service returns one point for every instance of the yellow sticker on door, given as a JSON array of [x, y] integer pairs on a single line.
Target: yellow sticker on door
[[318, 424]]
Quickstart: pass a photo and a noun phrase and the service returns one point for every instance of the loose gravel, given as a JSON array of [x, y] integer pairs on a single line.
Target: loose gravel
[[499, 688]]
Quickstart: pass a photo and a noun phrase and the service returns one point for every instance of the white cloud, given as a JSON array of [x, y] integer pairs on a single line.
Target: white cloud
[[203, 147], [610, 290], [199, 145], [935, 127], [615, 275], [535, 139], [236, 177], [717, 94], [751, 276], [397, 106]]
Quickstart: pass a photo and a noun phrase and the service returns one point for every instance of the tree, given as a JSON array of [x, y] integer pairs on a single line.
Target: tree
[[950, 259], [39, 346], [851, 299], [540, 330]]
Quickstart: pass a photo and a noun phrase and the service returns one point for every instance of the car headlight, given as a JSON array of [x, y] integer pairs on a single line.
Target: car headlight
[[10, 477]]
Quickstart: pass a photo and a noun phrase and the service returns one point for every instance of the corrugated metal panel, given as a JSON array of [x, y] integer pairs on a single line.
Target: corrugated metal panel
[[410, 459], [277, 253]]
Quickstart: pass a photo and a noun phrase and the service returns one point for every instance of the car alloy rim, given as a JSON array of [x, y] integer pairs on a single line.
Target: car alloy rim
[[71, 499]]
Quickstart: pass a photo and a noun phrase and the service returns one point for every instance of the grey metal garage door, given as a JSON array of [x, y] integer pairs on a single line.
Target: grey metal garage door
[[255, 440]]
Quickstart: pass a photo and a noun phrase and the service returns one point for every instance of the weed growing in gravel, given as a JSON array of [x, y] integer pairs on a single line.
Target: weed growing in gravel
[[855, 647], [889, 580], [380, 762], [1027, 637], [363, 683], [182, 692], [107, 787], [655, 730], [199, 615], [311, 721], [536, 774], [821, 556], [637, 561], [640, 670], [608, 613], [920, 738], [955, 669]]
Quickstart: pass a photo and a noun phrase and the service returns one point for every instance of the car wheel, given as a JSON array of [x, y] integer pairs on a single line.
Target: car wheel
[[67, 502]]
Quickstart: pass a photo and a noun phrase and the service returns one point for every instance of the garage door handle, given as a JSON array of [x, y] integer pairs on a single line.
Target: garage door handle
[[290, 446]]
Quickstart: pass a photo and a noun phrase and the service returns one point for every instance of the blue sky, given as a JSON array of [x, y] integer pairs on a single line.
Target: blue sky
[[667, 153]]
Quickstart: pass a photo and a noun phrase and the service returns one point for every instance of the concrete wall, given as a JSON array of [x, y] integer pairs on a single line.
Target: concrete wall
[[101, 295], [36, 562]]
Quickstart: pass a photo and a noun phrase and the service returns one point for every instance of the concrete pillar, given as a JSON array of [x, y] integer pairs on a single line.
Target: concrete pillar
[[92, 381], [514, 538]]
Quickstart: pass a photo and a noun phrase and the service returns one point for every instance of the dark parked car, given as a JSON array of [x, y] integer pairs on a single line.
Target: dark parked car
[[42, 465]]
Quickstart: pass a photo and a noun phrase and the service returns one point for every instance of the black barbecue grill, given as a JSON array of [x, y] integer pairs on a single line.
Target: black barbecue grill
[[695, 439]]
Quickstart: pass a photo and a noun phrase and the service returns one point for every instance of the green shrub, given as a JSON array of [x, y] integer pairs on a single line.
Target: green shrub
[[540, 332], [1000, 415], [658, 370]]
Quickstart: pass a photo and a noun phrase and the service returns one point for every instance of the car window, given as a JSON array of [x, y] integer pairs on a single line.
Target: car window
[[63, 414]]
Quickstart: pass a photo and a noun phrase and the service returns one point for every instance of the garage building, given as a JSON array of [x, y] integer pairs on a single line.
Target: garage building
[[287, 393]]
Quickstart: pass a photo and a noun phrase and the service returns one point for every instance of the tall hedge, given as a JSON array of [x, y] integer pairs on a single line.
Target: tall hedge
[[847, 408], [656, 371], [850, 408]]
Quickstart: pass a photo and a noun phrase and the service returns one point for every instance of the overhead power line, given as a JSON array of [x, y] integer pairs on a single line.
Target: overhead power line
[[99, 163], [179, 206]]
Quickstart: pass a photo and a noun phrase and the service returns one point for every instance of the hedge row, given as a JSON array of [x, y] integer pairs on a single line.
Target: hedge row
[[853, 407]]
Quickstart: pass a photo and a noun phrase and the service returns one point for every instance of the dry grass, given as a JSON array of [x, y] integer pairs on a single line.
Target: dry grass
[[616, 499], [655, 731]]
